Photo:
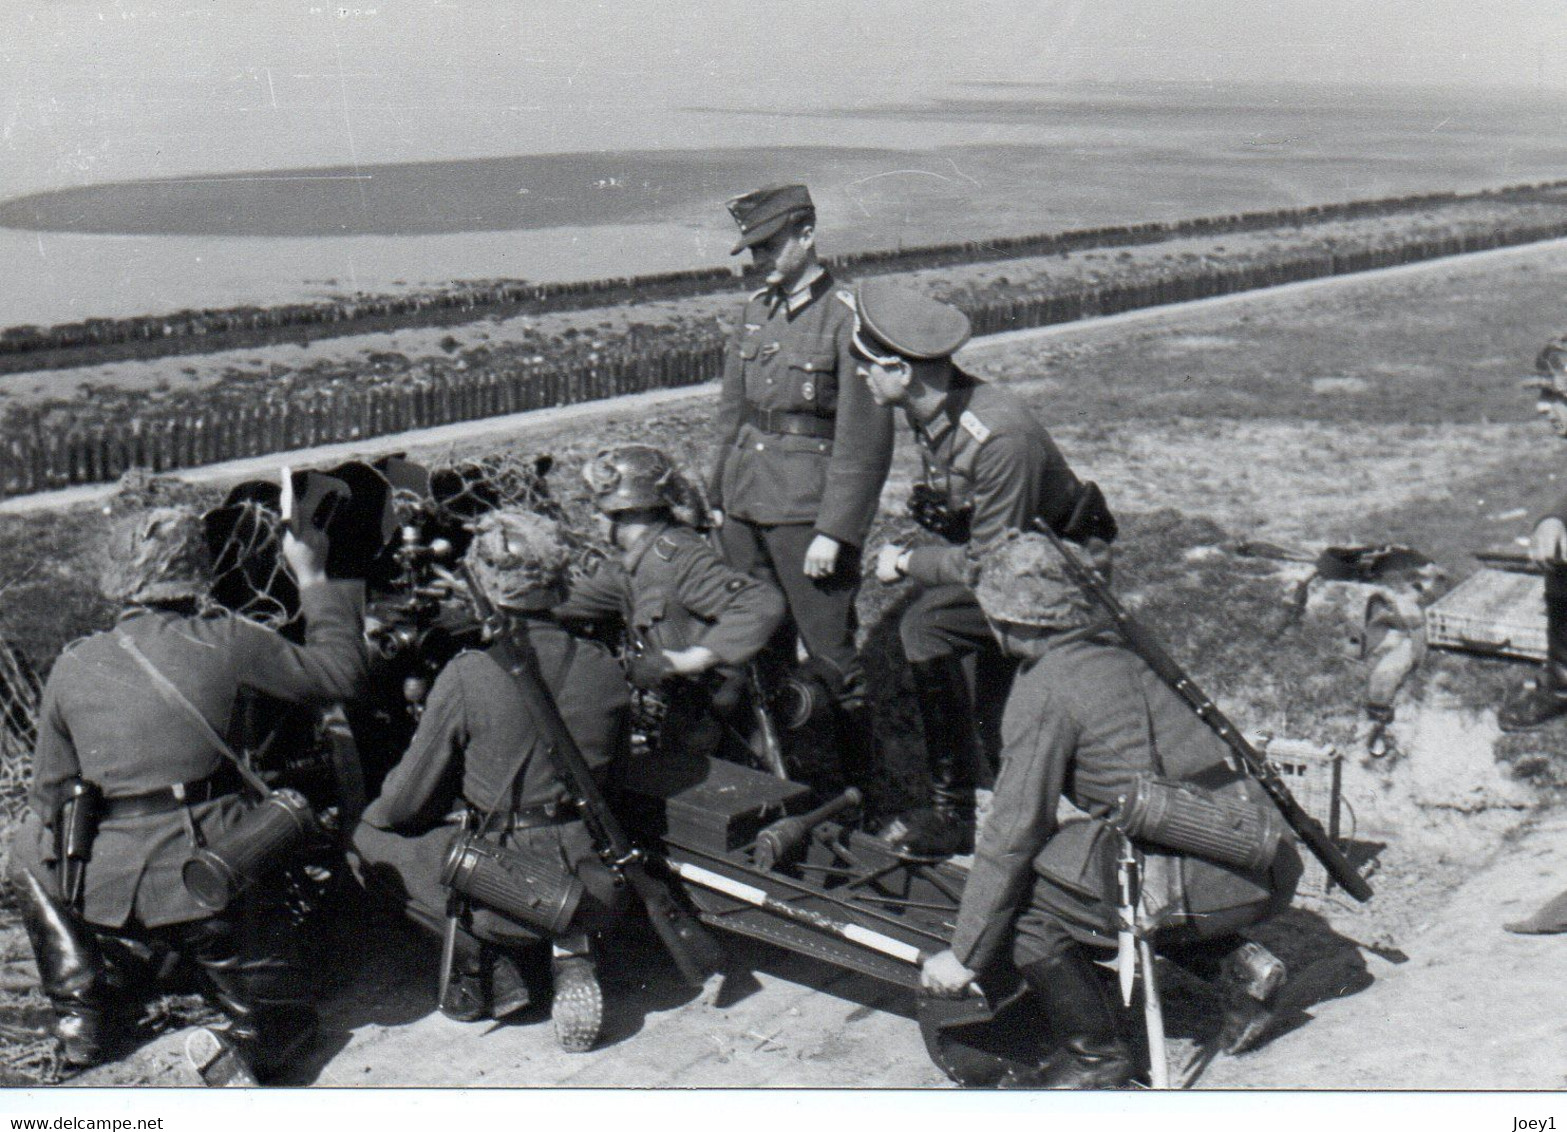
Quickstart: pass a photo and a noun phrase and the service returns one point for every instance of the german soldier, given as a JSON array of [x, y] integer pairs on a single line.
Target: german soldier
[[478, 758], [108, 732], [802, 452], [1544, 698], [989, 466], [1085, 719], [686, 611]]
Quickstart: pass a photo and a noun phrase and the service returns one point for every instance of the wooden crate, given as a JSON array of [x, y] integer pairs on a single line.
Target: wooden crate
[[1499, 612], [1314, 776]]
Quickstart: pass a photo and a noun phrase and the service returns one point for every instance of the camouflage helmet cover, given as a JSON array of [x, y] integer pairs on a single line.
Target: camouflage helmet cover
[[520, 559], [630, 477], [157, 554], [1022, 581]]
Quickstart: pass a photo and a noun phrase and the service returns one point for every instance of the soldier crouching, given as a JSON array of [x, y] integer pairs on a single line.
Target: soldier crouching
[[117, 746], [478, 760], [691, 619], [1087, 718]]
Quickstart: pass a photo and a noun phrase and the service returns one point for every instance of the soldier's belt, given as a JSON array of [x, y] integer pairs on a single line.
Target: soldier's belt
[[789, 424], [170, 798], [538, 817]]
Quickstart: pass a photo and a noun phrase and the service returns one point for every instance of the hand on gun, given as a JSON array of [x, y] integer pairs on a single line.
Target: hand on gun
[[943, 976]]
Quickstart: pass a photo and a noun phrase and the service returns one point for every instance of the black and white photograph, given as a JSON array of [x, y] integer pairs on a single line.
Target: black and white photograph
[[931, 548]]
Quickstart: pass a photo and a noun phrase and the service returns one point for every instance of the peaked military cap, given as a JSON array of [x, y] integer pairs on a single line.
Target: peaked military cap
[[908, 323], [764, 211]]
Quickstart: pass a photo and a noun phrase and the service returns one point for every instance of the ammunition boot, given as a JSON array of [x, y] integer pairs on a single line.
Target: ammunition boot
[[578, 1009], [466, 996], [946, 826], [509, 993], [1543, 698], [1090, 1053], [70, 969], [217, 1060], [1249, 989]]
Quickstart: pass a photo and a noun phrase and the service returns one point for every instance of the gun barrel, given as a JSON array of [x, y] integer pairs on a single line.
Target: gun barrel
[[784, 836]]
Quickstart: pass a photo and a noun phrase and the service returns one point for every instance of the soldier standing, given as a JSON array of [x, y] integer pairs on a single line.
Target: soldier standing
[[478, 755], [802, 453], [990, 466], [686, 611], [107, 731], [1544, 698], [1085, 719]]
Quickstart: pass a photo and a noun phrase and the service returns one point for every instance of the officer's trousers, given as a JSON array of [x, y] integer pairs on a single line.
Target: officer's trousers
[[820, 610]]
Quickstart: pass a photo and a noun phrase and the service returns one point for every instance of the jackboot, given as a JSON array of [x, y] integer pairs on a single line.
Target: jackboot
[[946, 826], [1543, 698], [467, 993], [71, 971], [1090, 1053], [856, 742], [267, 1030]]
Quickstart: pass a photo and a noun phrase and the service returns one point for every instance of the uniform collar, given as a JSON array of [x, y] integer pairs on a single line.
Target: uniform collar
[[941, 420], [633, 557], [813, 283]]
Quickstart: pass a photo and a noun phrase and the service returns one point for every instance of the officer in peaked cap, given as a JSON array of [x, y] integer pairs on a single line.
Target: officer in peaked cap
[[990, 466], [802, 451]]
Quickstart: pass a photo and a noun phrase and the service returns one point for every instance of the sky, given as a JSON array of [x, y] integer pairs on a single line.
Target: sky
[[95, 90]]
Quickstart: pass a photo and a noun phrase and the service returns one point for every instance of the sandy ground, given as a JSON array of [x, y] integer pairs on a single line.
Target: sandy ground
[[1420, 989]]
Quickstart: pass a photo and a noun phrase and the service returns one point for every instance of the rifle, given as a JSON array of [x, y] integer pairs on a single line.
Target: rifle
[[767, 731], [1142, 642], [695, 952]]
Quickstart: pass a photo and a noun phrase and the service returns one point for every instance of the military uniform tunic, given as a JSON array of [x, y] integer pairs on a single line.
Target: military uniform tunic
[[102, 719], [989, 452], [477, 748], [793, 359], [1085, 719], [802, 450], [674, 592]]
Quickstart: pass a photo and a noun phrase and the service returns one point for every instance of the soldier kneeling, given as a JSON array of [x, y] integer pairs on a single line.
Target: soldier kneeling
[[691, 619], [1086, 719], [130, 779], [478, 761]]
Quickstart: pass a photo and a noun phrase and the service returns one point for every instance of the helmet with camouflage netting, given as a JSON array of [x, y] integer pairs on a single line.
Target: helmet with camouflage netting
[[1022, 581], [155, 555], [630, 477], [520, 559]]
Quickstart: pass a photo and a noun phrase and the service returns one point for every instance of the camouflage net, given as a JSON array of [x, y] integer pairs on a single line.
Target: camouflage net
[[249, 577], [19, 694]]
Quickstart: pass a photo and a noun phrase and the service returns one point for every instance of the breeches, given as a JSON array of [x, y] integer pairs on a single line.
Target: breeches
[[1057, 917], [821, 610], [405, 873]]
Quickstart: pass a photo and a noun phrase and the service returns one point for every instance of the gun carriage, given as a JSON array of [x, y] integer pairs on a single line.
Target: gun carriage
[[746, 849]]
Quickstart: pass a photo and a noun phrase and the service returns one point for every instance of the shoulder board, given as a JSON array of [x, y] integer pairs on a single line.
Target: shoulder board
[[974, 426], [665, 546]]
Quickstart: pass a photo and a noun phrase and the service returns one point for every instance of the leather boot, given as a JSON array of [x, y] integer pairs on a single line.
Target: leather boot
[[1090, 1053], [946, 826], [266, 1030], [1249, 989], [856, 740], [466, 997], [70, 969], [1544, 697], [578, 1009], [509, 993]]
